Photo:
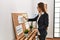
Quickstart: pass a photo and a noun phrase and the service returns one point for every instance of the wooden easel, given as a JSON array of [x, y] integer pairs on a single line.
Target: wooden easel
[[15, 24]]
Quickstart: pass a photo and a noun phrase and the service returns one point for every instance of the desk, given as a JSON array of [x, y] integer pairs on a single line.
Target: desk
[[31, 35]]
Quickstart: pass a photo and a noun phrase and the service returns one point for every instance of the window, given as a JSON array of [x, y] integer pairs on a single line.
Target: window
[[57, 19]]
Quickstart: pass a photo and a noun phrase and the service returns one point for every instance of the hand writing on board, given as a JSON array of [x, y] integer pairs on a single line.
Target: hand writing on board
[[25, 18]]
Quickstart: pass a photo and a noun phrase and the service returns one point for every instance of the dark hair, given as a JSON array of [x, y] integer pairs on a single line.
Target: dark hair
[[41, 6]]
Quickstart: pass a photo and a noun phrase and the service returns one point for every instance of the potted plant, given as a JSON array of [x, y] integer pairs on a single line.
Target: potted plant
[[31, 26], [26, 32]]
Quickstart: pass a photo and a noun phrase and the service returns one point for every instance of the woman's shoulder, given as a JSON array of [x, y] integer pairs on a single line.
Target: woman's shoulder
[[46, 14]]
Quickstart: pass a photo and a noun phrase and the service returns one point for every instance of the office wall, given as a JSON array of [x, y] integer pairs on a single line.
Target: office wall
[[6, 8], [9, 6], [6, 30]]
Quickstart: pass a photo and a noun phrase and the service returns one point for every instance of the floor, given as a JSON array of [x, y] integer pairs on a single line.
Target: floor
[[53, 39]]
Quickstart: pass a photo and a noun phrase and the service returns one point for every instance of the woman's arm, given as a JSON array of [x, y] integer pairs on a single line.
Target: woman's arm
[[33, 19], [46, 22]]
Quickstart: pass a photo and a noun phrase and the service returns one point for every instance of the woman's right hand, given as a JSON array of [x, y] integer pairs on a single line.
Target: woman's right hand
[[25, 18]]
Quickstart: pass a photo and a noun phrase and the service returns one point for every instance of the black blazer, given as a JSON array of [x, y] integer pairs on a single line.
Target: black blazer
[[42, 22]]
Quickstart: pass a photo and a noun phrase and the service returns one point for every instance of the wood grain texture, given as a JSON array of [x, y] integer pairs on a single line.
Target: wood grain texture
[[53, 39], [15, 23]]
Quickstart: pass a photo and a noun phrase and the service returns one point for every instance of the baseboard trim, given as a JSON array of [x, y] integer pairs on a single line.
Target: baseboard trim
[[49, 38], [53, 38]]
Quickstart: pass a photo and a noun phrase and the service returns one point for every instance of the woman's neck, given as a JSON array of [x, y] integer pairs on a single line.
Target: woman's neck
[[40, 12]]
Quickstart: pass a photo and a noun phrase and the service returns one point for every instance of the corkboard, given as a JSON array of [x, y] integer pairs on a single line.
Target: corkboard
[[15, 23]]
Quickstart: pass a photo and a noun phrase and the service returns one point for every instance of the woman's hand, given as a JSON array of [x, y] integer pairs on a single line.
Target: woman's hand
[[36, 30], [25, 18]]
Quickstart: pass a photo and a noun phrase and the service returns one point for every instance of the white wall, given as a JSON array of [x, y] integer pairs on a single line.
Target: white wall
[[6, 30], [23, 6], [9, 6], [6, 8]]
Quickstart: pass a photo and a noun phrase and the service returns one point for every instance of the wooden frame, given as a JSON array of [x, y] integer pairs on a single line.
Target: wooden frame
[[15, 23]]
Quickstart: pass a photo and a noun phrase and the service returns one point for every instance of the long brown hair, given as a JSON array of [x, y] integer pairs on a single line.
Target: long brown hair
[[41, 6]]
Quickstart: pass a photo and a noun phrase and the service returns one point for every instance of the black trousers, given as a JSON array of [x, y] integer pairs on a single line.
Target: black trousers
[[43, 34]]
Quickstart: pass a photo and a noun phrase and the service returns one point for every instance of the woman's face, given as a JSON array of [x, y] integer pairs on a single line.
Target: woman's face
[[39, 9]]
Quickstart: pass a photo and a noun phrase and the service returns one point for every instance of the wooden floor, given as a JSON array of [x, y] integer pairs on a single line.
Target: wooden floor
[[53, 39]]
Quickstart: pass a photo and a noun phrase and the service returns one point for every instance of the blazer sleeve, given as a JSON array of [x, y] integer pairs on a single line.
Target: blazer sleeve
[[46, 22], [33, 19]]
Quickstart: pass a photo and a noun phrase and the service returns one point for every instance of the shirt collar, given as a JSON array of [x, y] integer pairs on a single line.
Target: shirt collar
[[41, 14]]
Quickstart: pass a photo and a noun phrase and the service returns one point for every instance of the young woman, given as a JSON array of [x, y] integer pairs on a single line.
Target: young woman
[[42, 21]]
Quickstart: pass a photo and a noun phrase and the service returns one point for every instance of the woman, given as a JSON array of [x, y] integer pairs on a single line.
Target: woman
[[42, 21]]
